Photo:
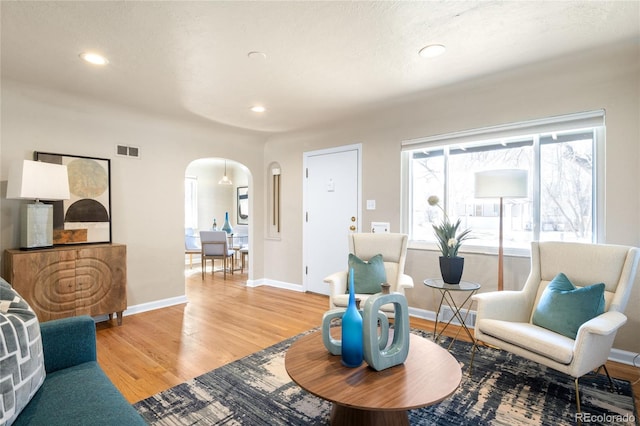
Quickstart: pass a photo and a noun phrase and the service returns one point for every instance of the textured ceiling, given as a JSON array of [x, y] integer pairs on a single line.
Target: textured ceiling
[[324, 60]]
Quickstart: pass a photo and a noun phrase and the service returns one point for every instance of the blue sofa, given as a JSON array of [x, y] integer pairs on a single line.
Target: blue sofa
[[75, 391]]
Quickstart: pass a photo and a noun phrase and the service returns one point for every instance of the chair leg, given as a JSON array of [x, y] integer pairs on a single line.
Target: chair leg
[[577, 400], [611, 387], [473, 354]]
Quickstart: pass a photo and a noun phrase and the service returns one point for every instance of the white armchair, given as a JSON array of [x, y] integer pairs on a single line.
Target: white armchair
[[504, 319], [393, 248]]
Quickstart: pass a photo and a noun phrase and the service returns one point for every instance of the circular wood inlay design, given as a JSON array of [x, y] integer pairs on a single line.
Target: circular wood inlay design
[[67, 285]]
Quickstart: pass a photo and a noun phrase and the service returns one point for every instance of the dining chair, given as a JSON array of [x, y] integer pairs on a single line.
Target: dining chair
[[244, 258], [215, 245], [191, 244]]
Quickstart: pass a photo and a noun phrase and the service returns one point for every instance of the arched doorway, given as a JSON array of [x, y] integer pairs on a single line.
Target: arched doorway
[[216, 188]]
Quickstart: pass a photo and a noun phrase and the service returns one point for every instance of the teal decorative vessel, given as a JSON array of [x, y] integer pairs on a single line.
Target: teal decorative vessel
[[380, 358], [334, 346], [227, 226]]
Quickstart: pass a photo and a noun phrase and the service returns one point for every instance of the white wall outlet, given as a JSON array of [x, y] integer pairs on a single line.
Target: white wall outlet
[[380, 227]]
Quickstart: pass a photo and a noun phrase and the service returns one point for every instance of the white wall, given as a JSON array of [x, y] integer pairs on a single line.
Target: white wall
[[147, 202], [608, 78]]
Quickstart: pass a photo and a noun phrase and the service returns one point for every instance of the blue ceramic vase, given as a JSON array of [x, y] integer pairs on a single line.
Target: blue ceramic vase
[[227, 226], [352, 351]]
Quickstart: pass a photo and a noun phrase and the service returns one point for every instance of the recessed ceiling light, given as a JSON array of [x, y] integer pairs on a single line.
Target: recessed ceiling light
[[94, 58], [257, 55], [432, 50], [258, 108]]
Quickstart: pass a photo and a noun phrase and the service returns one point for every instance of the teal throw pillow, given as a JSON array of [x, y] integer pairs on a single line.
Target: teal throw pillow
[[367, 276], [563, 308]]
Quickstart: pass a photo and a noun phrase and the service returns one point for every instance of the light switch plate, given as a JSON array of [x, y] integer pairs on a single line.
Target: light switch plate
[[371, 204]]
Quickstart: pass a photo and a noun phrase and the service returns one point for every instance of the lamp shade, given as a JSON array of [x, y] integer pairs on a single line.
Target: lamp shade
[[507, 183], [225, 179], [36, 180]]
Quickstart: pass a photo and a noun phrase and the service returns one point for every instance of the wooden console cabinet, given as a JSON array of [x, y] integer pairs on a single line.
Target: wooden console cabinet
[[70, 280]]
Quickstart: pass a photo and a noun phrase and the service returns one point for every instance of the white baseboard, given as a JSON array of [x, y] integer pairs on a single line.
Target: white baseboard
[[145, 307], [422, 313], [623, 357], [275, 283]]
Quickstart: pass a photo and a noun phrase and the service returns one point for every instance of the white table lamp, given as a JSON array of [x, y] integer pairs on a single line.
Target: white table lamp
[[36, 180], [507, 183]]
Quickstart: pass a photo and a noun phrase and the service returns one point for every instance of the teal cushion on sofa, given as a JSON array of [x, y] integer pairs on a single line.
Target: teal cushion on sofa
[[367, 276], [79, 395], [563, 308]]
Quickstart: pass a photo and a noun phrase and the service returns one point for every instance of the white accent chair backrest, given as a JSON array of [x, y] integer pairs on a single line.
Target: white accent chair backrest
[[585, 264], [392, 246]]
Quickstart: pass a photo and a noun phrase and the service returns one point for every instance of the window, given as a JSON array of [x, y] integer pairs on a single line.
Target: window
[[565, 179], [191, 202]]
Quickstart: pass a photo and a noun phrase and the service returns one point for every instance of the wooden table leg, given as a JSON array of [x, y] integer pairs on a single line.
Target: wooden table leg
[[342, 415]]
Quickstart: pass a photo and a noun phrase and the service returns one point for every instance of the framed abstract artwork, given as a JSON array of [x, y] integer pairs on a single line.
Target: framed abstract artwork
[[86, 216], [243, 205]]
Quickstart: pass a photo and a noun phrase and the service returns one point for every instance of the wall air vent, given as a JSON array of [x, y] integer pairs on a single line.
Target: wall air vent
[[128, 151], [447, 314]]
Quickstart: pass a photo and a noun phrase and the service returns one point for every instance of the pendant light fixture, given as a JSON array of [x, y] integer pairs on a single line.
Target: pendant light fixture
[[225, 180]]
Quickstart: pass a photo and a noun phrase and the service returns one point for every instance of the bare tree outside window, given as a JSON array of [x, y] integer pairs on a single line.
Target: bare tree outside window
[[566, 190]]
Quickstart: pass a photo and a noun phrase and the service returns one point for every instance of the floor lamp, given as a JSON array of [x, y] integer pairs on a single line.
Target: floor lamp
[[509, 183]]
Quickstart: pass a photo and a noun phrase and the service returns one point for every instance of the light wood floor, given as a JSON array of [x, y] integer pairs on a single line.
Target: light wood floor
[[223, 321]]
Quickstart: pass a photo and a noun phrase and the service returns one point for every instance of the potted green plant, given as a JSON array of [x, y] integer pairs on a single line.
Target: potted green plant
[[449, 238]]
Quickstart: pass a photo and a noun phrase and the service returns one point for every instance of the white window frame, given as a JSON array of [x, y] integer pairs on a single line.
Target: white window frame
[[550, 125]]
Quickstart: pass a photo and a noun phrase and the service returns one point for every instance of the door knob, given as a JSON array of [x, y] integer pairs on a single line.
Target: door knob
[[352, 228]]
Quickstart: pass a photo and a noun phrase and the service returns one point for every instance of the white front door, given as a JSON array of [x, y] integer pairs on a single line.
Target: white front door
[[332, 212]]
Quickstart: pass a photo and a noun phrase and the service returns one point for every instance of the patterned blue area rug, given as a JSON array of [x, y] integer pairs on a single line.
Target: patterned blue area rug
[[503, 389]]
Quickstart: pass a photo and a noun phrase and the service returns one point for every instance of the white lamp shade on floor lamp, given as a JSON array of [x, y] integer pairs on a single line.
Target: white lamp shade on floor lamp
[[506, 183], [36, 180]]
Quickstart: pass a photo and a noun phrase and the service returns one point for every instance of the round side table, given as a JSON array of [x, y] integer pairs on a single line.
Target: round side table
[[446, 291]]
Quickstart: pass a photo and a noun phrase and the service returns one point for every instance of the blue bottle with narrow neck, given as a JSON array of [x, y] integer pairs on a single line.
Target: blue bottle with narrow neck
[[227, 226], [352, 348]]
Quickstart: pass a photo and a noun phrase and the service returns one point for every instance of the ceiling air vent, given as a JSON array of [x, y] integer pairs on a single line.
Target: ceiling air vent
[[128, 151]]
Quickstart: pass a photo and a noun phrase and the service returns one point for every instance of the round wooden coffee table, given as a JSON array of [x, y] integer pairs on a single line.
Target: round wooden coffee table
[[364, 396]]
